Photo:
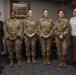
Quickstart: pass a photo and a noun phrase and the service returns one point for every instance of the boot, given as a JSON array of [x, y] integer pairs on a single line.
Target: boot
[[11, 63], [33, 60], [64, 64], [48, 60], [19, 63], [60, 63], [28, 60], [44, 60], [0, 69]]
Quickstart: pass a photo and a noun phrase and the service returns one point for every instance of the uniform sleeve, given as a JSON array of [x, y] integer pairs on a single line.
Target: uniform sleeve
[[67, 30], [51, 32], [40, 33], [5, 31], [2, 32], [36, 28], [55, 30], [24, 25], [20, 29]]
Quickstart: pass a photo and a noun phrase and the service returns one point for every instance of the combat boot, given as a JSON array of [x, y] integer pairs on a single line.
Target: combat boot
[[64, 64], [28, 60], [11, 63], [48, 60], [33, 60], [60, 63], [19, 63], [44, 60]]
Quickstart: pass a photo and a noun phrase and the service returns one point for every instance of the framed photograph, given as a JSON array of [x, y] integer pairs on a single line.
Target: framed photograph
[[21, 9]]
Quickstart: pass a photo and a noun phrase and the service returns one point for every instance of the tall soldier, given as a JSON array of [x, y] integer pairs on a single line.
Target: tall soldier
[[62, 29], [30, 30], [12, 32], [45, 35]]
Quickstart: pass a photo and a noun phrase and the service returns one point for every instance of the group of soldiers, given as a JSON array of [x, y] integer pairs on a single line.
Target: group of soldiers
[[45, 28]]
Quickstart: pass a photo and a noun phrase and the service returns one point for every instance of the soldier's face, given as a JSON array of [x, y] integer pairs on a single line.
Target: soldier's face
[[61, 14], [30, 13], [74, 12], [45, 13], [12, 14]]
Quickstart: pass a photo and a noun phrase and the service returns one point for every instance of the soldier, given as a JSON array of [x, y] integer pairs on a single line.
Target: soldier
[[12, 32], [45, 35], [73, 35], [61, 30], [30, 29]]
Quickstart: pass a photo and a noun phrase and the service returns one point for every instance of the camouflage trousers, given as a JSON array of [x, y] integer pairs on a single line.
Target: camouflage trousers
[[62, 46], [30, 43], [46, 45], [14, 46]]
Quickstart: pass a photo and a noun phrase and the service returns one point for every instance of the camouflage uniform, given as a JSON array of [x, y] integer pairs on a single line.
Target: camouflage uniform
[[62, 27], [45, 28], [30, 27], [13, 28]]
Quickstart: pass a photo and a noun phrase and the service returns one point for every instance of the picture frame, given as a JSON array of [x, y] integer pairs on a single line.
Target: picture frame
[[21, 8]]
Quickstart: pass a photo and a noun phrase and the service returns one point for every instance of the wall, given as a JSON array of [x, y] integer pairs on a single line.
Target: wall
[[37, 6], [4, 9]]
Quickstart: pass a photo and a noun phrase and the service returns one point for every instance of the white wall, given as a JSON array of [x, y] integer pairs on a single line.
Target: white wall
[[1, 10], [4, 9]]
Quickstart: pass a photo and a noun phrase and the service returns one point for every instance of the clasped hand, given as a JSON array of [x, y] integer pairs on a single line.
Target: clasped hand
[[12, 38], [30, 35], [46, 36]]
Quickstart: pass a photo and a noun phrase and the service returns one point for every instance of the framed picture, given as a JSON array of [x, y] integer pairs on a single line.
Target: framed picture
[[20, 8]]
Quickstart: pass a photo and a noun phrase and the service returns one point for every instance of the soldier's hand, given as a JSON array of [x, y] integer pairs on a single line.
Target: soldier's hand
[[46, 36], [30, 35], [11, 38], [61, 37], [15, 37]]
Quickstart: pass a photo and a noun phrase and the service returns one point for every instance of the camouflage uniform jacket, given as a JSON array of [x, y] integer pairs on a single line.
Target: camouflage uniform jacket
[[12, 27], [62, 27], [45, 27], [30, 26]]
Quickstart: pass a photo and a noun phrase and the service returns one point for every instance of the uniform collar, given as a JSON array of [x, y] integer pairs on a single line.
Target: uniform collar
[[30, 18], [61, 19], [45, 18], [13, 19]]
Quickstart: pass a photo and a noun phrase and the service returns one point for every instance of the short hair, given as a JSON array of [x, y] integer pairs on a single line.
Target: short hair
[[13, 11], [44, 10], [61, 10], [73, 9]]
